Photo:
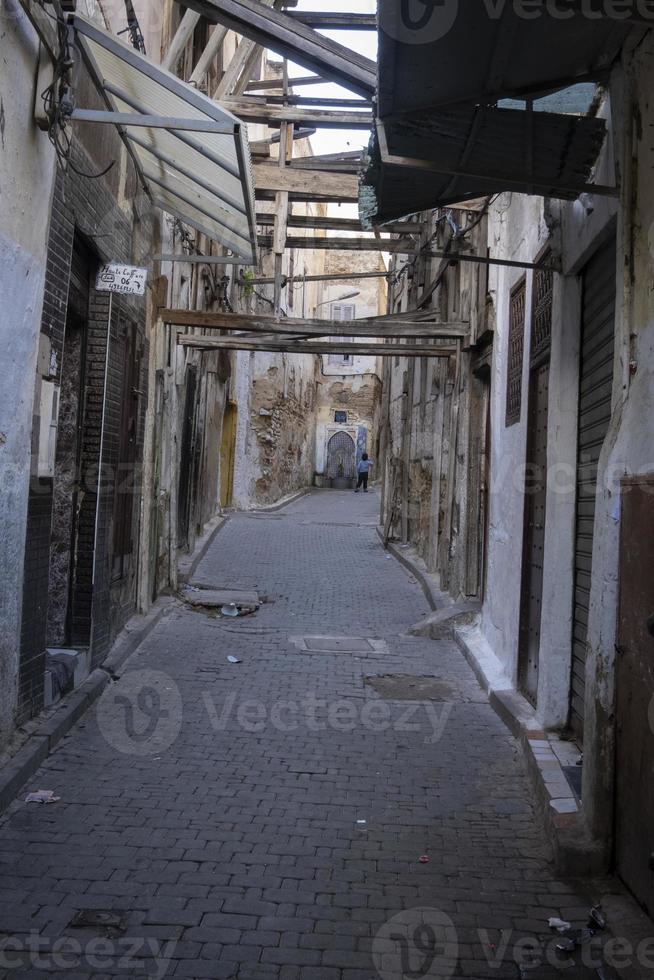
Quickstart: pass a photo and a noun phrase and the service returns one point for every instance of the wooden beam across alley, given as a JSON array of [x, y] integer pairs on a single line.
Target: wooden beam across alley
[[314, 347], [311, 183], [339, 224], [374, 327], [293, 40], [402, 246], [272, 115]]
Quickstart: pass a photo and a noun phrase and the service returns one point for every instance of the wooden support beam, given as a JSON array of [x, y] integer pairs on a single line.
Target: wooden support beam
[[302, 101], [338, 224], [273, 115], [318, 347], [403, 246], [264, 84], [293, 40], [380, 327], [213, 46], [312, 183], [183, 34], [335, 21], [246, 51], [43, 24], [345, 163]]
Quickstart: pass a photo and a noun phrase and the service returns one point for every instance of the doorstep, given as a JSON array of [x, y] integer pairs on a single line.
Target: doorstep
[[576, 852], [41, 735]]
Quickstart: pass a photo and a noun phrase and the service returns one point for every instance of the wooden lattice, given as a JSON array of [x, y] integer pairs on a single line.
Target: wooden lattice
[[541, 324], [516, 354]]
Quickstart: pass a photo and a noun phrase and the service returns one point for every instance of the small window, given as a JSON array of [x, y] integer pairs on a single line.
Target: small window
[[516, 354], [340, 417], [343, 311]]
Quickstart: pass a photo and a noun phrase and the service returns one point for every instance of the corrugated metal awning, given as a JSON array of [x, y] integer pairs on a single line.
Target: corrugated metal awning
[[435, 159], [446, 132], [192, 155], [476, 52]]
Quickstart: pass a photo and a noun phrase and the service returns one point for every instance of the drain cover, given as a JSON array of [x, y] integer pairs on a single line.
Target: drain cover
[[337, 644], [408, 687], [110, 922]]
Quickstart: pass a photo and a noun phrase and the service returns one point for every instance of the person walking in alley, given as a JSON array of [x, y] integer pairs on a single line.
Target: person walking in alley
[[363, 469]]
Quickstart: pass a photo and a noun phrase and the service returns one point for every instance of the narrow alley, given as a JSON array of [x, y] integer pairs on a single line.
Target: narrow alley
[[256, 255], [287, 815]]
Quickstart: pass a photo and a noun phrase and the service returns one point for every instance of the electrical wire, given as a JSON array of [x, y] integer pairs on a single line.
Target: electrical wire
[[59, 102]]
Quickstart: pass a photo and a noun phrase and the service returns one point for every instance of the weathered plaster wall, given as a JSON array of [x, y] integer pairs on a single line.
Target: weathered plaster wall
[[360, 397], [520, 227], [26, 163], [276, 434], [629, 445]]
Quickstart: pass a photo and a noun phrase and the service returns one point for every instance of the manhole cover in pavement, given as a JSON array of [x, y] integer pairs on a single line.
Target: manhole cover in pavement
[[336, 644], [408, 687]]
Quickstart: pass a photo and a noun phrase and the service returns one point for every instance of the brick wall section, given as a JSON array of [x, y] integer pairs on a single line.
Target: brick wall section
[[101, 609]]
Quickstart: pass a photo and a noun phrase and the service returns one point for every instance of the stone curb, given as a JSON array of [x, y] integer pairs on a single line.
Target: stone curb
[[47, 735], [433, 595], [187, 565], [284, 502], [575, 850]]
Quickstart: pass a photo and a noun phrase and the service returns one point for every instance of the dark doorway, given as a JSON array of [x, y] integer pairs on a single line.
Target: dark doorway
[[62, 630], [635, 692], [129, 355], [186, 460], [595, 393], [531, 598]]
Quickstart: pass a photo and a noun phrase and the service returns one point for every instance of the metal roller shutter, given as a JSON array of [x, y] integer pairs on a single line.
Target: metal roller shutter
[[595, 391]]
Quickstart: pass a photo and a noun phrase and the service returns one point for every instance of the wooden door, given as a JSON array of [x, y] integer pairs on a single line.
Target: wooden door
[[635, 692]]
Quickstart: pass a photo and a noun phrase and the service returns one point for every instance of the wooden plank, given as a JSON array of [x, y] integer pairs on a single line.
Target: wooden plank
[[385, 327], [210, 52], [334, 162], [43, 24], [182, 36], [316, 102], [342, 186], [273, 115], [338, 224], [313, 347], [264, 84], [403, 246], [335, 21], [246, 51], [293, 40]]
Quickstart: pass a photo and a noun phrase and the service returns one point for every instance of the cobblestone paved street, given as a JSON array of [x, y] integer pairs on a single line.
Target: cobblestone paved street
[[265, 819]]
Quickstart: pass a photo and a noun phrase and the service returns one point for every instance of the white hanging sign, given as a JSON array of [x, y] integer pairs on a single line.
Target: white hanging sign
[[117, 278]]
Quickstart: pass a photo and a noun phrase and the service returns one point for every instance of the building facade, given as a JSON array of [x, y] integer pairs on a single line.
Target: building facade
[[521, 470]]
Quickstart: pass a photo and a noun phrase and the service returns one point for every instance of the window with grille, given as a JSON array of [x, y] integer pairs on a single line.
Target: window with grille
[[342, 311], [541, 320], [516, 353]]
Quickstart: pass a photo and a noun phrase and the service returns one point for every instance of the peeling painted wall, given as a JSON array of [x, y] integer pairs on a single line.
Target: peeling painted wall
[[26, 162]]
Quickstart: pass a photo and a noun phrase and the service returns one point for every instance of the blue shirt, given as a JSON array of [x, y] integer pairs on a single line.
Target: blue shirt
[[364, 466]]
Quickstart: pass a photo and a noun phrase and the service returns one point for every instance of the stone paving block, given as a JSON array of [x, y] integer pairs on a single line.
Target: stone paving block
[[238, 836]]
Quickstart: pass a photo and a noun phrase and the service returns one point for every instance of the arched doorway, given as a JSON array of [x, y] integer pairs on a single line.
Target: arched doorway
[[341, 461]]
